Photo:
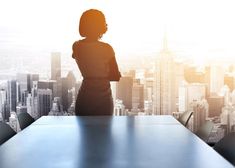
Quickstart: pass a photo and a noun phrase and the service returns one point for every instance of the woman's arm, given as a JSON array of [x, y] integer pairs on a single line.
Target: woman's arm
[[74, 47], [114, 74]]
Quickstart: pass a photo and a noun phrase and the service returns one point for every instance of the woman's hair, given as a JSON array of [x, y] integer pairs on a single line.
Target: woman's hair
[[92, 24]]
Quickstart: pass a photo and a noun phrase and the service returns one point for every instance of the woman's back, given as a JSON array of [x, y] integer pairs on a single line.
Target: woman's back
[[93, 58]]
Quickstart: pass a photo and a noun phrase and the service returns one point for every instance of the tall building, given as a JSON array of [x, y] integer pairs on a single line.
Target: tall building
[[216, 79], [29, 104], [33, 77], [119, 108], [13, 122], [148, 89], [64, 97], [41, 101], [57, 109], [48, 84], [44, 101], [165, 82], [24, 86], [229, 81], [71, 80], [216, 104], [233, 97], [21, 109], [4, 107], [124, 91], [189, 93], [12, 94], [137, 96], [200, 111], [55, 65]]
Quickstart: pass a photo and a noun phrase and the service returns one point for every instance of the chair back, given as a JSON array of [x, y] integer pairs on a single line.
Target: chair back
[[184, 118], [24, 120], [205, 130], [6, 132], [226, 147]]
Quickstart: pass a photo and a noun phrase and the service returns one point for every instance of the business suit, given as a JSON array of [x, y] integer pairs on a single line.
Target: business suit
[[97, 63]]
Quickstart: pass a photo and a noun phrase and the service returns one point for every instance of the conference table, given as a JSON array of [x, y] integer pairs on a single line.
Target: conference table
[[108, 142]]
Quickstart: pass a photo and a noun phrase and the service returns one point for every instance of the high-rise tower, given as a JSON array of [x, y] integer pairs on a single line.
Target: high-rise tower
[[164, 82]]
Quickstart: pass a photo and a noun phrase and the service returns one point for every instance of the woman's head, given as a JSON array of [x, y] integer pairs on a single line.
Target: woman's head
[[92, 24]]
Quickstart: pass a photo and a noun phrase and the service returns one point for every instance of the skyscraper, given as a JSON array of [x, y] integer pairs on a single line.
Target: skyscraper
[[55, 65], [4, 108], [12, 94], [216, 79], [41, 101], [189, 93], [138, 96], [64, 97], [124, 91], [71, 80], [24, 86], [200, 111], [165, 81], [44, 101]]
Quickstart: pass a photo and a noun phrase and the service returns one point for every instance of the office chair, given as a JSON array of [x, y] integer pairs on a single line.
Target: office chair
[[226, 147], [184, 118], [205, 130], [25, 120], [6, 132]]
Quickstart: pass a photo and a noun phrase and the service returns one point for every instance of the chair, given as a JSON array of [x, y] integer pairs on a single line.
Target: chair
[[24, 120], [205, 130], [6, 132], [226, 147], [184, 118]]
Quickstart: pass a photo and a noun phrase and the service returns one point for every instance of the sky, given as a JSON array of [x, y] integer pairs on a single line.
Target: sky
[[196, 29]]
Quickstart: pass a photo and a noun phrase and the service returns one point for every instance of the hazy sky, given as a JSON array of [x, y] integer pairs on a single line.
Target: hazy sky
[[195, 28]]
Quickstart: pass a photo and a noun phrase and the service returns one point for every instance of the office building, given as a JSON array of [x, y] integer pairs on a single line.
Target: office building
[[165, 82], [215, 105], [4, 106], [229, 81], [216, 79], [21, 109], [12, 94], [124, 91], [119, 108], [24, 86], [44, 101], [71, 80], [138, 96], [189, 93], [41, 101], [57, 108], [13, 122], [200, 111]]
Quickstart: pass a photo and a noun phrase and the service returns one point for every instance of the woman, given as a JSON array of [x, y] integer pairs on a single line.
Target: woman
[[97, 63]]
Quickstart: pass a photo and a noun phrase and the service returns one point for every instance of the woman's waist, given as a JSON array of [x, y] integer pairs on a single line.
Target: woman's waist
[[96, 84]]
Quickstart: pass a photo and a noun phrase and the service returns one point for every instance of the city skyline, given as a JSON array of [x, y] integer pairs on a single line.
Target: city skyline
[[169, 64]]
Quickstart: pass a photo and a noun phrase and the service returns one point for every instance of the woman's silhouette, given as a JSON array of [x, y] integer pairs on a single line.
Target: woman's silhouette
[[97, 63]]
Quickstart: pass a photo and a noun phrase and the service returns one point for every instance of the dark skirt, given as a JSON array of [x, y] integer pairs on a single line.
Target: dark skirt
[[94, 98]]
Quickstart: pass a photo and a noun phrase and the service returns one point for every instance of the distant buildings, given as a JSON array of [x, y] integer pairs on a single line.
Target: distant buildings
[[216, 104], [124, 91], [216, 78], [165, 82], [138, 96]]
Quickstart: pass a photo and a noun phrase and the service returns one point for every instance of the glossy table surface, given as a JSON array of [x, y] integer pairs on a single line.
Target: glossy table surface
[[108, 142]]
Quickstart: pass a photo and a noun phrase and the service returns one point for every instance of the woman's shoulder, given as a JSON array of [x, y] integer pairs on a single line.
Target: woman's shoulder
[[107, 46]]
